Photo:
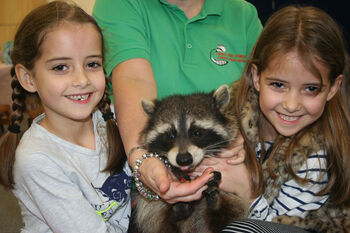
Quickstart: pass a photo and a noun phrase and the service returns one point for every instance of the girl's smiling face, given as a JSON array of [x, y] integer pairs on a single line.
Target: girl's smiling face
[[68, 75], [290, 96]]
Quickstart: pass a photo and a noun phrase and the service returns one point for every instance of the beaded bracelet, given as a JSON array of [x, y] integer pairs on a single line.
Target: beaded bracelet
[[148, 194]]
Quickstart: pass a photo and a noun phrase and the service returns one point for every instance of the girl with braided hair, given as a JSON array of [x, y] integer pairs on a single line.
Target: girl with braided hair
[[69, 169]]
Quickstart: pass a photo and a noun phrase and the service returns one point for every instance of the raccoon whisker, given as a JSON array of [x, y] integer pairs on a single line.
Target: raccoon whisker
[[162, 153], [213, 150], [211, 153], [215, 145]]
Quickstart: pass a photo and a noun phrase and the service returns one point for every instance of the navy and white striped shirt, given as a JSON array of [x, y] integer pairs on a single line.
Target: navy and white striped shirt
[[295, 199]]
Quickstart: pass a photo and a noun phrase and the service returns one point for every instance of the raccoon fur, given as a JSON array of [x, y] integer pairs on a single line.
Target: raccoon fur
[[185, 129]]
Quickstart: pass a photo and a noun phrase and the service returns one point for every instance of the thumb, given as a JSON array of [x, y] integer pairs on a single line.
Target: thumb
[[162, 181]]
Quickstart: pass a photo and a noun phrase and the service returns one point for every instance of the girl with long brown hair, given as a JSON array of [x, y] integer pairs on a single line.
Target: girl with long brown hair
[[69, 169]]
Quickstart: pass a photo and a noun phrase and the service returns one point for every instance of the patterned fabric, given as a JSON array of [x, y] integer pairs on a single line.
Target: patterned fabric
[[295, 199], [257, 226]]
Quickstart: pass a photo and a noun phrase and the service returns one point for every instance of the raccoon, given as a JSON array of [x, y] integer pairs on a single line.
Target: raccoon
[[185, 129]]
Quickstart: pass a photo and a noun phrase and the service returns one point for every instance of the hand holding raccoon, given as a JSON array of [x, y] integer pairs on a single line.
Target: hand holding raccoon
[[234, 178], [240, 184], [158, 179], [185, 129]]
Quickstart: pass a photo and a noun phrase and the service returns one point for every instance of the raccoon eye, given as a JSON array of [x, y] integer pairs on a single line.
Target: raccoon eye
[[171, 135], [197, 133]]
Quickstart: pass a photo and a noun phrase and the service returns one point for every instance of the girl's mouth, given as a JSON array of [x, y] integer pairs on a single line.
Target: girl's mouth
[[81, 98], [289, 119]]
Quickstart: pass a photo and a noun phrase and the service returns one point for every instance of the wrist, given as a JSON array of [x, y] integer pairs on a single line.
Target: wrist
[[134, 154], [143, 190]]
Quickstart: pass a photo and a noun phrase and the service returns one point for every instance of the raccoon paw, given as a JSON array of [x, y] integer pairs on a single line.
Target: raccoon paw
[[181, 210], [214, 182]]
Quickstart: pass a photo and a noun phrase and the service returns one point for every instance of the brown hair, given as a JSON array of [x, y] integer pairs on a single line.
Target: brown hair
[[313, 35], [26, 51]]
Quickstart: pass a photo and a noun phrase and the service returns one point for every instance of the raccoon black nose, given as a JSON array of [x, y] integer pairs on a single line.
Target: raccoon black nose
[[184, 159]]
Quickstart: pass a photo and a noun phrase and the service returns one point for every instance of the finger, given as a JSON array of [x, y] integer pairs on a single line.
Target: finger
[[188, 188], [157, 179], [163, 184], [195, 174], [193, 197], [237, 159]]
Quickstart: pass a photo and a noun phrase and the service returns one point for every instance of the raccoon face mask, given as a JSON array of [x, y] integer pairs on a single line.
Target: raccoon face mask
[[185, 129]]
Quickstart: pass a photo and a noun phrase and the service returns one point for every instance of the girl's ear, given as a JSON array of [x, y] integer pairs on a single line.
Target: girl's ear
[[255, 75], [335, 87], [25, 78]]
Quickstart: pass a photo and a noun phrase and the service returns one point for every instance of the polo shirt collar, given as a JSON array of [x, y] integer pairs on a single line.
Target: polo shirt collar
[[210, 7], [213, 7]]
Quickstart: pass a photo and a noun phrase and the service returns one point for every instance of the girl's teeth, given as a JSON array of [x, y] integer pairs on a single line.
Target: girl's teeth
[[288, 118], [79, 97]]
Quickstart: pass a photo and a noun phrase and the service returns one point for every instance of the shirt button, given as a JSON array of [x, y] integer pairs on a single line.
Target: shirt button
[[189, 46]]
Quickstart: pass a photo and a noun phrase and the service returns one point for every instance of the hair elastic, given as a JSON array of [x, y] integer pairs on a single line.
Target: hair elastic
[[14, 129], [107, 116]]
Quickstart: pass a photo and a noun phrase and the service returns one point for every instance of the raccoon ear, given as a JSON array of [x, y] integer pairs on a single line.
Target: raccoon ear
[[148, 107], [222, 96]]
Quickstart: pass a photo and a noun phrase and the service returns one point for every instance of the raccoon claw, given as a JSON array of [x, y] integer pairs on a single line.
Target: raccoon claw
[[215, 180]]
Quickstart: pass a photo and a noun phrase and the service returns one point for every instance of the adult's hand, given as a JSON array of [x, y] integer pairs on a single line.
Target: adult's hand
[[235, 177], [157, 177]]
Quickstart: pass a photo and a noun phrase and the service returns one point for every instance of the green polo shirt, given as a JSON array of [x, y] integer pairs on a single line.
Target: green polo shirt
[[187, 55]]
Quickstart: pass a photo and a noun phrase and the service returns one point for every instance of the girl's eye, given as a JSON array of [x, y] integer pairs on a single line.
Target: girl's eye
[[313, 89], [93, 65], [60, 68], [277, 84]]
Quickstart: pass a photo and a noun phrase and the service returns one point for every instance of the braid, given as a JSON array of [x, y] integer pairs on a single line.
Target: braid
[[115, 150], [104, 105], [9, 141], [18, 104]]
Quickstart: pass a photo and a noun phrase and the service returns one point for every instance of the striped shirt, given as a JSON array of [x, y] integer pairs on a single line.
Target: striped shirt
[[295, 199]]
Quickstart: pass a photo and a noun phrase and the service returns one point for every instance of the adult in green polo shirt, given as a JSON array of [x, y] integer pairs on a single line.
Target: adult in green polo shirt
[[187, 54], [156, 48]]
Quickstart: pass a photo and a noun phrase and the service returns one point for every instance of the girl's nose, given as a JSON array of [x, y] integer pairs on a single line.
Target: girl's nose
[[292, 102], [80, 78]]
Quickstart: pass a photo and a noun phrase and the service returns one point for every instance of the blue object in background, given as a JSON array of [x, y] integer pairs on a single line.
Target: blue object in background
[[8, 46]]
